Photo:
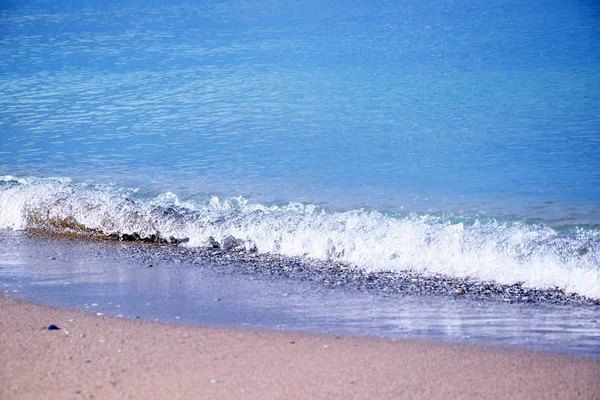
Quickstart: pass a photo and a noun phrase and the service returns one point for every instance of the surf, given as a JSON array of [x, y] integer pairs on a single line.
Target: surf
[[484, 249]]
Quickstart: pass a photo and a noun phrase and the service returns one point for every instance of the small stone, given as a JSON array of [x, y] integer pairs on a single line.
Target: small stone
[[213, 243], [230, 243]]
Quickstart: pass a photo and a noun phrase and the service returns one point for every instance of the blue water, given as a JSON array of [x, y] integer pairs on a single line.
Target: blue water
[[461, 138]]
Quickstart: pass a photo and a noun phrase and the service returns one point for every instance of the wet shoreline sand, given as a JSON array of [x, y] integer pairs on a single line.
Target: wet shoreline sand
[[244, 290], [331, 273], [95, 356]]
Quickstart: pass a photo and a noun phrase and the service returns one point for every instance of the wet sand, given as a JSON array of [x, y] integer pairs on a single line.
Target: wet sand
[[196, 287], [95, 356]]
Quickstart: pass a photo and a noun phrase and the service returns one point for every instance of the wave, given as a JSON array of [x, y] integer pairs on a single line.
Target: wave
[[505, 252]]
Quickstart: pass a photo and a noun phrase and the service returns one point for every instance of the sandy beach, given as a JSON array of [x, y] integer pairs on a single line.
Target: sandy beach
[[100, 357]]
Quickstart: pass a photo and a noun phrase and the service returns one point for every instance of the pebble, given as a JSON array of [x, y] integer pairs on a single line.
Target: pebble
[[333, 274]]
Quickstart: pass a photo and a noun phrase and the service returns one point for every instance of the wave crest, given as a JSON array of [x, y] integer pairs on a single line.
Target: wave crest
[[504, 252]]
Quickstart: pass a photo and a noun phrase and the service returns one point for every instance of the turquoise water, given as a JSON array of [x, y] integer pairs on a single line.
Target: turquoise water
[[437, 136]]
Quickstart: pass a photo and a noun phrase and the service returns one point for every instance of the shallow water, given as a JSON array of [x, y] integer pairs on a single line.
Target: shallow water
[[115, 279]]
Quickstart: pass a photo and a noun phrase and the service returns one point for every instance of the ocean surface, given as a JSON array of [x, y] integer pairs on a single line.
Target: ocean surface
[[460, 139]]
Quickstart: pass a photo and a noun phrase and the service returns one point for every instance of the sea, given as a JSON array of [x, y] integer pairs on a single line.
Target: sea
[[453, 141]]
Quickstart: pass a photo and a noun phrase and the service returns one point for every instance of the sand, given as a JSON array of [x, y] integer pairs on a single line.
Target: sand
[[103, 357]]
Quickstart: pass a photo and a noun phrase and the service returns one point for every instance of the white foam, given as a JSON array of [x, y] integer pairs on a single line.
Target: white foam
[[537, 255]]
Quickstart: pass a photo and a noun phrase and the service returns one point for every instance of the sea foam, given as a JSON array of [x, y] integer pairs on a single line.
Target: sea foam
[[489, 250]]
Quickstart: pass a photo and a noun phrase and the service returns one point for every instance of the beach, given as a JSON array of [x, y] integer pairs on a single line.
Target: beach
[[95, 356], [279, 200]]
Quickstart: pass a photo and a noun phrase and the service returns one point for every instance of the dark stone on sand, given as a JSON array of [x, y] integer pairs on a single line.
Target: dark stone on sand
[[52, 327]]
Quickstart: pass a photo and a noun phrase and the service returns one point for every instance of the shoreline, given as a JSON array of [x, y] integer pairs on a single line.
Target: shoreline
[[232, 289], [330, 273], [95, 356]]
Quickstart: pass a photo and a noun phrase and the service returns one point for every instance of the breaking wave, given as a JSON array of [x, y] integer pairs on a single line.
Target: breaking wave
[[490, 250]]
